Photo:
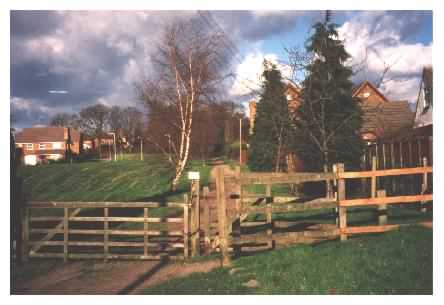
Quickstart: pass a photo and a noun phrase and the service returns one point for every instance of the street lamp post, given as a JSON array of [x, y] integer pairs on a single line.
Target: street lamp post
[[114, 141], [240, 141], [141, 148]]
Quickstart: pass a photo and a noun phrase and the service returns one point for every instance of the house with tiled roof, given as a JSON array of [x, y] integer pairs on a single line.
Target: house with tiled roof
[[40, 144], [382, 117]]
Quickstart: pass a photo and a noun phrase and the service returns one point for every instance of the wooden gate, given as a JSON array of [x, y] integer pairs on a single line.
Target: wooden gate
[[106, 230]]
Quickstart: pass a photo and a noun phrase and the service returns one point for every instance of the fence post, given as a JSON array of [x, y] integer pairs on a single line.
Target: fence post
[[105, 234], [186, 229], [222, 217], [382, 209], [25, 233], [430, 150], [65, 234], [145, 231], [373, 179], [341, 196], [195, 217], [335, 183], [393, 165], [269, 215], [424, 185], [206, 221], [236, 230]]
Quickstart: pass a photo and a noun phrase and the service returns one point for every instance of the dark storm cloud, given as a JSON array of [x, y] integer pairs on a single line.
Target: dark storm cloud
[[33, 23], [251, 26]]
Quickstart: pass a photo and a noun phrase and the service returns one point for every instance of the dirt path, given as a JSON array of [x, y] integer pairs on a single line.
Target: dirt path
[[114, 277]]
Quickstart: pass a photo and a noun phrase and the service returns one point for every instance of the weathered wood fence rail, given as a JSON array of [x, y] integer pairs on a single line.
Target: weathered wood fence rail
[[230, 222], [377, 197], [149, 236]]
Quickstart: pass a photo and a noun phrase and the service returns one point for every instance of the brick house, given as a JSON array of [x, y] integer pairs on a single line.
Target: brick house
[[381, 117], [39, 144]]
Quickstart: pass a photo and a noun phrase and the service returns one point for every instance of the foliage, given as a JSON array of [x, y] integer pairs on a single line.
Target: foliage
[[187, 72], [328, 119], [272, 126], [127, 180], [399, 262]]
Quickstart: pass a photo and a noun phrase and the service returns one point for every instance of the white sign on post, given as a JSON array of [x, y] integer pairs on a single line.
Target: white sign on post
[[193, 175]]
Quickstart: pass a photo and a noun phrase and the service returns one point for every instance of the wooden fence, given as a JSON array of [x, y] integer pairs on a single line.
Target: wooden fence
[[378, 197], [98, 230], [232, 219]]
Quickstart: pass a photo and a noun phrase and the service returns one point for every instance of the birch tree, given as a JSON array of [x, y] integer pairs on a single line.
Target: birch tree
[[187, 70]]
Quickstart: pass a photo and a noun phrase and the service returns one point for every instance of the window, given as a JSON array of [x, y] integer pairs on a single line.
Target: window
[[29, 146], [41, 146]]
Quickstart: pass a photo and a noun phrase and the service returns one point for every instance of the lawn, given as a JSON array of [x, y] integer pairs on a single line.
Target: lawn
[[124, 180], [398, 262]]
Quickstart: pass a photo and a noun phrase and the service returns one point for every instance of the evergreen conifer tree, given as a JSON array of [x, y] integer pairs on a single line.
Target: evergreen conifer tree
[[272, 125], [329, 118]]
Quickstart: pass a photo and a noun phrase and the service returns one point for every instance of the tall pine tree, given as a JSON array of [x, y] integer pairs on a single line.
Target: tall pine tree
[[329, 118], [272, 125]]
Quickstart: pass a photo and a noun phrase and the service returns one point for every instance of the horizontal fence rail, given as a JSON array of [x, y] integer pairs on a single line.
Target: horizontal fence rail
[[244, 233], [87, 230]]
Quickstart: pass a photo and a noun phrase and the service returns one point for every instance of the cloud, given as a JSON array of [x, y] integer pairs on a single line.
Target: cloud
[[248, 74], [258, 25], [385, 39]]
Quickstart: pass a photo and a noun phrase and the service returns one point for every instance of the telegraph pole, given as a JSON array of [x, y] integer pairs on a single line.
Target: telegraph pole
[[141, 149], [240, 141]]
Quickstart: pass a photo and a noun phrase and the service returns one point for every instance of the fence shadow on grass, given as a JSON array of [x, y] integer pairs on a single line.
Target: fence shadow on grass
[[146, 276]]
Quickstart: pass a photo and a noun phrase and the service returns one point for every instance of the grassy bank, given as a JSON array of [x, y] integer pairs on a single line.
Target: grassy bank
[[398, 262], [124, 180]]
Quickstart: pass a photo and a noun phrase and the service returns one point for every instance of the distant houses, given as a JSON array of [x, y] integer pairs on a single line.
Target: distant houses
[[382, 118], [41, 144]]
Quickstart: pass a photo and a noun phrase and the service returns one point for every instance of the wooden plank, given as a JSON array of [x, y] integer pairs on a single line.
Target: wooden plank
[[424, 185], [386, 172], [410, 153], [186, 229], [111, 256], [419, 151], [320, 203], [106, 233], [206, 221], [65, 234], [129, 219], [382, 209], [341, 196], [430, 157], [111, 232], [384, 164], [236, 230], [51, 232], [92, 205], [385, 200], [25, 234], [373, 179], [222, 217], [382, 229], [269, 217], [281, 178], [110, 244], [145, 228], [45, 219]]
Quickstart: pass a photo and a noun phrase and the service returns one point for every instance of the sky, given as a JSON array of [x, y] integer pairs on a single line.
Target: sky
[[63, 61]]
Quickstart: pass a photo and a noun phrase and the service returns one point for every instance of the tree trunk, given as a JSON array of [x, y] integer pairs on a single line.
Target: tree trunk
[[278, 157]]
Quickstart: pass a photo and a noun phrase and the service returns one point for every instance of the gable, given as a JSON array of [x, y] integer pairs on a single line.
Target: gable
[[368, 93]]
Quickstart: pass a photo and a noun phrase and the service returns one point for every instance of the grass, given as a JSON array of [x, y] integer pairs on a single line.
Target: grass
[[398, 262], [124, 180]]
